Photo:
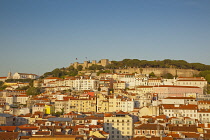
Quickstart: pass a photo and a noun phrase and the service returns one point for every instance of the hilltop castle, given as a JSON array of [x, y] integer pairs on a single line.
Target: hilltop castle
[[129, 70], [86, 64]]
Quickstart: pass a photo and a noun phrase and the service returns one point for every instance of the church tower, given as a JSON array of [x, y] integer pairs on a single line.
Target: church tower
[[9, 76]]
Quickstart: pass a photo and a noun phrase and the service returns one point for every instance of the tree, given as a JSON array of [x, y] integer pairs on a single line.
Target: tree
[[73, 72], [168, 76], [152, 74], [33, 91], [96, 67], [207, 77], [1, 83], [57, 72], [141, 70], [71, 68], [79, 68], [23, 88], [47, 74], [2, 86], [103, 71]]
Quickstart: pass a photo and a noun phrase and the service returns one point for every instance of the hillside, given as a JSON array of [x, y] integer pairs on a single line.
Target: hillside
[[159, 68]]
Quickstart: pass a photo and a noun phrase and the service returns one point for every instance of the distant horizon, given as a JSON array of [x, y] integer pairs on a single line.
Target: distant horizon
[[38, 36]]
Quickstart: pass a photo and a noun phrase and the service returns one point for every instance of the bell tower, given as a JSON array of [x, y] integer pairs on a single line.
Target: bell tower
[[9, 76]]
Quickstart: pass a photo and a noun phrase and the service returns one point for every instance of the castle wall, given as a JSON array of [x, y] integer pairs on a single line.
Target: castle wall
[[104, 62], [157, 71], [160, 71]]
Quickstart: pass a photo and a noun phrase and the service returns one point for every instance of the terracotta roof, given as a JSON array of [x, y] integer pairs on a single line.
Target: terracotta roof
[[28, 127], [43, 133], [3, 77], [8, 128], [122, 113], [191, 135], [108, 115], [186, 107], [206, 136], [191, 128], [192, 80], [179, 98], [150, 127], [172, 86], [52, 78], [9, 135]]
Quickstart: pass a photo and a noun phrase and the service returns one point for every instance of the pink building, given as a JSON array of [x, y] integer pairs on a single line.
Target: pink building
[[178, 91]]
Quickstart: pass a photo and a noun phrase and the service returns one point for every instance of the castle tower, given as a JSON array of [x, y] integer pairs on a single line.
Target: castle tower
[[104, 62], [94, 62], [75, 65], [85, 64]]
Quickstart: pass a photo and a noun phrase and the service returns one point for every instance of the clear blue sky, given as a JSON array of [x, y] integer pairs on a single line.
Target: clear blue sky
[[37, 36]]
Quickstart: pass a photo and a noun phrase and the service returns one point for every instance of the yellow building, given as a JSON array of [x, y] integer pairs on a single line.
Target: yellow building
[[82, 104], [114, 103], [49, 109], [145, 89], [102, 103], [118, 125], [10, 83]]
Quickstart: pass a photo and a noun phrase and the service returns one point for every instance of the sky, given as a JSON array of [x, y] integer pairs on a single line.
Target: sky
[[37, 36]]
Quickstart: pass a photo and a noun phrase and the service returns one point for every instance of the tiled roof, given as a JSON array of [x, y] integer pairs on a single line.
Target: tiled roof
[[150, 127], [186, 107], [9, 135], [172, 86], [191, 128], [179, 98], [8, 128], [191, 135]]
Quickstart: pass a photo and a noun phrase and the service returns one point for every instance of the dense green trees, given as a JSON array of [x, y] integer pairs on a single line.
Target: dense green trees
[[79, 68], [152, 75], [70, 71], [33, 91], [206, 75], [96, 67], [167, 63], [132, 63], [2, 86], [103, 71], [168, 76]]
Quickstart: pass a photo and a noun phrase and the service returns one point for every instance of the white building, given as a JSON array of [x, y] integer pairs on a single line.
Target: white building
[[191, 81], [24, 76], [20, 99], [176, 110]]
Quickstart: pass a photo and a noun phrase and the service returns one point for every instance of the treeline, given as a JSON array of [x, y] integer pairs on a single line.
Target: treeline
[[126, 63], [167, 63], [62, 72]]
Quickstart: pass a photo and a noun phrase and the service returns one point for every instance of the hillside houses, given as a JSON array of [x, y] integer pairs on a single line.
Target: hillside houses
[[109, 106]]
